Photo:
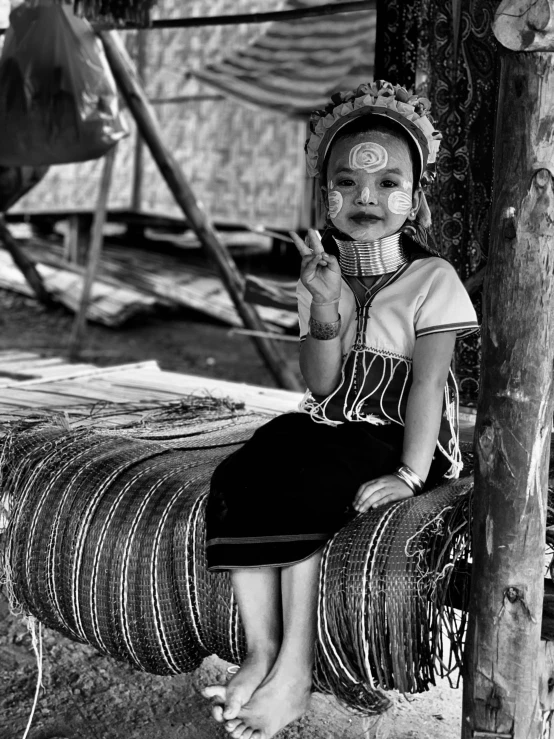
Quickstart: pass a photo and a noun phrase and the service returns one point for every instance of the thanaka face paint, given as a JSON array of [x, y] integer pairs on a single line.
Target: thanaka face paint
[[399, 203], [369, 156], [361, 217], [335, 203]]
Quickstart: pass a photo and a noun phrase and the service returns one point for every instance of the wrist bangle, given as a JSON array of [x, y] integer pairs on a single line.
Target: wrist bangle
[[407, 475], [328, 302], [324, 330]]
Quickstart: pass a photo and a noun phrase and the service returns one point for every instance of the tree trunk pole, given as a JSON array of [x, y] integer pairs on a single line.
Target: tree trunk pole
[[502, 695], [95, 252], [150, 131]]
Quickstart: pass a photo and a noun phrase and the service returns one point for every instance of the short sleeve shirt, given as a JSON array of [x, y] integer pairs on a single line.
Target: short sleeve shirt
[[424, 296]]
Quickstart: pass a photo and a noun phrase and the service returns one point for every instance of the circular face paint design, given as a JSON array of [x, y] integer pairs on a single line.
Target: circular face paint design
[[368, 156], [399, 203], [335, 203]]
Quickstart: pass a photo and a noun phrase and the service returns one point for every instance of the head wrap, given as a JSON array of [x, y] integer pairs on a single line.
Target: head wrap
[[390, 101]]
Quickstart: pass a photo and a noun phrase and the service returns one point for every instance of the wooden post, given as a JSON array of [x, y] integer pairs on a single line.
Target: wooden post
[[504, 667], [95, 251], [149, 129], [25, 265], [138, 163]]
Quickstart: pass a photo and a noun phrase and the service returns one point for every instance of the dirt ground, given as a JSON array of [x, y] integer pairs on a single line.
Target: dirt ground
[[88, 696]]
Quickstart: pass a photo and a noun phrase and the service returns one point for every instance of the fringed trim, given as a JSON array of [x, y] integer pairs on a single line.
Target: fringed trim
[[453, 453], [355, 399]]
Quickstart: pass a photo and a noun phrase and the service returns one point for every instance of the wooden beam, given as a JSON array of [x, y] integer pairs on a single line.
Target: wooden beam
[[170, 170], [26, 266], [525, 25], [138, 161], [317, 11], [94, 254], [514, 414], [355, 6]]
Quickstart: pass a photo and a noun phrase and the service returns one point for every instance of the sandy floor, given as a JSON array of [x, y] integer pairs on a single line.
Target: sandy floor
[[88, 696]]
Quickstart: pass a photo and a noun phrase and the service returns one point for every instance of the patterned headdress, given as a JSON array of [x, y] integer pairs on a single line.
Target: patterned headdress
[[394, 102], [378, 98]]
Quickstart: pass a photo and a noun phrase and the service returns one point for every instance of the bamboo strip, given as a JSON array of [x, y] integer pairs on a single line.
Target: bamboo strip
[[97, 240], [150, 364]]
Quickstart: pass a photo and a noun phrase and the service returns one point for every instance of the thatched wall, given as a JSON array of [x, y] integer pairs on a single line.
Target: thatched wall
[[246, 165]]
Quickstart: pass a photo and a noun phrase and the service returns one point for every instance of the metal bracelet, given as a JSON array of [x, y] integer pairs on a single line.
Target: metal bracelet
[[324, 330], [328, 302], [407, 475]]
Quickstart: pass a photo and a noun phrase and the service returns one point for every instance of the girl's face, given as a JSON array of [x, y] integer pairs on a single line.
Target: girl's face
[[370, 185]]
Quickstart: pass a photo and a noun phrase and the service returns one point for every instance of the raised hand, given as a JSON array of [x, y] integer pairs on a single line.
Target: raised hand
[[320, 272]]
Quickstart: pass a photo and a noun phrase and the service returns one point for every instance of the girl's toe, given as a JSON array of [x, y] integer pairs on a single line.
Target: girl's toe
[[239, 732], [217, 713], [230, 726]]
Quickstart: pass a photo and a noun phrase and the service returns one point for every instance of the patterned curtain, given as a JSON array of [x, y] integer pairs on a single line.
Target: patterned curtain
[[447, 51]]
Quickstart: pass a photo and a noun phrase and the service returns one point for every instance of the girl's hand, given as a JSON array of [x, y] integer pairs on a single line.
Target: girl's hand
[[320, 272], [379, 492]]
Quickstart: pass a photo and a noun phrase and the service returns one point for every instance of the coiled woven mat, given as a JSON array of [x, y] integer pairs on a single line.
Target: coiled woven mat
[[104, 541]]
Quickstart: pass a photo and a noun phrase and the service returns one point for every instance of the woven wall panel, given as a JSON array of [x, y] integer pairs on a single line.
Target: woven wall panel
[[106, 543], [246, 165]]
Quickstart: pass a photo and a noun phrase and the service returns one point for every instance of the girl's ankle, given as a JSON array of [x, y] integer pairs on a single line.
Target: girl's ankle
[[266, 651]]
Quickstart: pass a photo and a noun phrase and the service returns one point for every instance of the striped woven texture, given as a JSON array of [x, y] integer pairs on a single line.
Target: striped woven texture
[[105, 542], [296, 65]]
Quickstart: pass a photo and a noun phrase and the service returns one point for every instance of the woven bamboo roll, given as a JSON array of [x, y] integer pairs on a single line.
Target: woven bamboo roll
[[383, 597], [106, 544]]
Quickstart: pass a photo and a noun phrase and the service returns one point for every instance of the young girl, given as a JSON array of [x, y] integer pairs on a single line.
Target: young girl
[[379, 313]]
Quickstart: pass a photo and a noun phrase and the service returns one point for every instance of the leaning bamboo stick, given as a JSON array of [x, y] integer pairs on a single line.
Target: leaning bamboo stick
[[149, 128], [25, 265], [95, 252]]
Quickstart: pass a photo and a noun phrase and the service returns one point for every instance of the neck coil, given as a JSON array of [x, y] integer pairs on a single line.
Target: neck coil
[[371, 258]]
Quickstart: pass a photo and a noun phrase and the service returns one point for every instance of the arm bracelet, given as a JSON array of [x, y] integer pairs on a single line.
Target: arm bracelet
[[328, 302], [407, 475], [324, 330]]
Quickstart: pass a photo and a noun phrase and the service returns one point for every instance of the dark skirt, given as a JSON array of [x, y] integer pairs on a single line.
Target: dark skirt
[[280, 497]]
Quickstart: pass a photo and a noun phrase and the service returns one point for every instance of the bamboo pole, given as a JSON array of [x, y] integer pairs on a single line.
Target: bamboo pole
[[26, 266], [149, 129], [504, 668], [95, 251], [138, 163], [325, 9]]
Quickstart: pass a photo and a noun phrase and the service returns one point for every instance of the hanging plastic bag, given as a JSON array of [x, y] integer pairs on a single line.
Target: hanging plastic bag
[[58, 99]]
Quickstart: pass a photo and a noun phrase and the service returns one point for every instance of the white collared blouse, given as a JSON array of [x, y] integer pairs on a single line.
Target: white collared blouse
[[378, 337]]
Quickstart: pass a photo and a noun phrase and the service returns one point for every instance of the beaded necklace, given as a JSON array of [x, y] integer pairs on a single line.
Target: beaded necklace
[[371, 258]]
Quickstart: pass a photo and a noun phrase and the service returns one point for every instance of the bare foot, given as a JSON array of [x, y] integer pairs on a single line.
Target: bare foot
[[230, 698], [280, 700], [217, 694]]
